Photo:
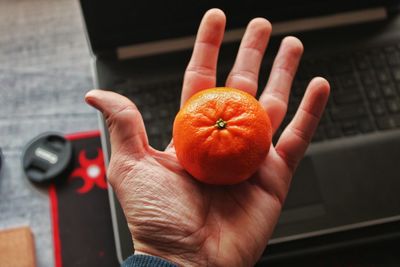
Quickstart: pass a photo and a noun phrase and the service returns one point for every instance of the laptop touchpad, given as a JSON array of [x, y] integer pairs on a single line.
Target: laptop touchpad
[[304, 199], [345, 186]]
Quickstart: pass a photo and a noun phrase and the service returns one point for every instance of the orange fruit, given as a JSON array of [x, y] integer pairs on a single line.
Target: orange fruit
[[222, 135]]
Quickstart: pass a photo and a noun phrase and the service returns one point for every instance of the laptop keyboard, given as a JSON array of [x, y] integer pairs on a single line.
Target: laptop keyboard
[[365, 96], [158, 103]]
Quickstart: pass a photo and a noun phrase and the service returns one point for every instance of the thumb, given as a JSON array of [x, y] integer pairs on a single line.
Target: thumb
[[124, 122]]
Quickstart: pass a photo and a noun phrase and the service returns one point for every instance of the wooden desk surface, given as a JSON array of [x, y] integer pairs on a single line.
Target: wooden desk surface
[[44, 74]]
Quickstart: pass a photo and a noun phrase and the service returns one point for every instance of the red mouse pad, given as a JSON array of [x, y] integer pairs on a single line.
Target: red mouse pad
[[81, 219]]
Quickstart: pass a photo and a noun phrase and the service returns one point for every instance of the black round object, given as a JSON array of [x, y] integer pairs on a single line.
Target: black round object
[[46, 157]]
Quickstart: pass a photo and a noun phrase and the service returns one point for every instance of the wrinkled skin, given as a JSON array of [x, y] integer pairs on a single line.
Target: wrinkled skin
[[173, 216]]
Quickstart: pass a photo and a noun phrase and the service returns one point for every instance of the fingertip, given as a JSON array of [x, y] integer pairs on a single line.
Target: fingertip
[[91, 94], [261, 23], [212, 26], [92, 97], [316, 96], [215, 17], [107, 101], [215, 13], [296, 46], [321, 86], [124, 120], [321, 83], [258, 32], [201, 70]]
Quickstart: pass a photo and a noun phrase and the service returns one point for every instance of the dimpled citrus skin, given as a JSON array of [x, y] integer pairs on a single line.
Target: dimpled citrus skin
[[222, 135]]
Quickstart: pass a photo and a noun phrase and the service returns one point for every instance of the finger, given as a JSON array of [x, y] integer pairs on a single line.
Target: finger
[[124, 122], [275, 96], [201, 70], [296, 137], [244, 74]]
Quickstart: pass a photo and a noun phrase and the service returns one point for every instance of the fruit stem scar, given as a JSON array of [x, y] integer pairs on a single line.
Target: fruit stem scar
[[220, 124]]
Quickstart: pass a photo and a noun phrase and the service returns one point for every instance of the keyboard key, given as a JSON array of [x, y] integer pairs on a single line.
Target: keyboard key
[[383, 76], [388, 90], [348, 112], [347, 97], [341, 65], [348, 82], [332, 131], [396, 74], [362, 62], [366, 126], [367, 78], [378, 108], [393, 105], [350, 128], [378, 59], [372, 92], [393, 59], [388, 122]]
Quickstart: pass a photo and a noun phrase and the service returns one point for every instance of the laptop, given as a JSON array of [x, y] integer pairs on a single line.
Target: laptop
[[346, 189]]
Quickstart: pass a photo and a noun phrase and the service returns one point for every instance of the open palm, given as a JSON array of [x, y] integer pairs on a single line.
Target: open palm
[[173, 216]]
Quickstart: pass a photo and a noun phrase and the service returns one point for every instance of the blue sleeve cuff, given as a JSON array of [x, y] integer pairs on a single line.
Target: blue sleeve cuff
[[146, 261]]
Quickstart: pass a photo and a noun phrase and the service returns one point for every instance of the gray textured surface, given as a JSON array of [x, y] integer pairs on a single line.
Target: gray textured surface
[[44, 74]]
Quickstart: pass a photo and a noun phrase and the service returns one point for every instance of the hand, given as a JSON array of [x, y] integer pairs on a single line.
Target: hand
[[173, 216]]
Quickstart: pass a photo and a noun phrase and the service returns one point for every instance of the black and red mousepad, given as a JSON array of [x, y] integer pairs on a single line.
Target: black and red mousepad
[[81, 219]]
